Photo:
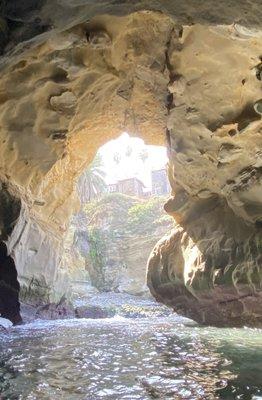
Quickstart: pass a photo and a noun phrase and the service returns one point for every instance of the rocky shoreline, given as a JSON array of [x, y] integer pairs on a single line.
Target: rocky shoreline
[[103, 305]]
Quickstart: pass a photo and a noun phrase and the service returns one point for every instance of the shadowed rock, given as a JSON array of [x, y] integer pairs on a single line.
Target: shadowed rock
[[9, 287]]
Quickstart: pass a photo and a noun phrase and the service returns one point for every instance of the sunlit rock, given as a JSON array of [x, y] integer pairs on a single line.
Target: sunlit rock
[[5, 324], [80, 77], [209, 268], [65, 103]]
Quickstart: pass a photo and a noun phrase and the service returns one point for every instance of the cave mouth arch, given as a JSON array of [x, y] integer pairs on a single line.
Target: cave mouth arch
[[9, 287], [135, 73], [122, 194], [129, 156]]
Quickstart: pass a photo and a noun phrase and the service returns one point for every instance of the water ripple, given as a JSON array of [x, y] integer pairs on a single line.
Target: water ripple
[[120, 358]]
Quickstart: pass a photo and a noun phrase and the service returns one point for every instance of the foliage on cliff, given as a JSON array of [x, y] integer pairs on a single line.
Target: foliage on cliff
[[120, 231], [129, 214]]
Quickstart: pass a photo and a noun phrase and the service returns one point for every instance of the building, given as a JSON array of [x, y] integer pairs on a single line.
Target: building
[[160, 184], [131, 187], [112, 187]]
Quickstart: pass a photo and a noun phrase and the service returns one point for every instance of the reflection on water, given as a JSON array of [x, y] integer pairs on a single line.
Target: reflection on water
[[119, 358]]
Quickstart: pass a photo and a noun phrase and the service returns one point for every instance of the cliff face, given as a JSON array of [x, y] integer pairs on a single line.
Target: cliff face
[[96, 71], [114, 236], [210, 268], [61, 100]]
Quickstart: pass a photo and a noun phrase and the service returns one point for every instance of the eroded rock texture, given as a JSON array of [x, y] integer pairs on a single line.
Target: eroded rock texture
[[90, 76], [210, 267], [60, 102]]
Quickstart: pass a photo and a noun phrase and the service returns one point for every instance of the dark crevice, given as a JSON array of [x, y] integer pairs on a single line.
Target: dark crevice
[[236, 298], [9, 287], [169, 96], [97, 36], [232, 132], [10, 208], [20, 22], [259, 71], [169, 101], [258, 224], [168, 142], [59, 134], [173, 76], [168, 138], [60, 75]]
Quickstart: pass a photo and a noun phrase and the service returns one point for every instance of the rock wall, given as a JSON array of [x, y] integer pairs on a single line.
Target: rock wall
[[61, 100], [74, 75], [209, 268], [113, 237], [38, 255]]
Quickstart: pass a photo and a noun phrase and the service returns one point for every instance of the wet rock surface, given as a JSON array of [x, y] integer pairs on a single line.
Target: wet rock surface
[[98, 306], [51, 311], [92, 312], [214, 281], [121, 304]]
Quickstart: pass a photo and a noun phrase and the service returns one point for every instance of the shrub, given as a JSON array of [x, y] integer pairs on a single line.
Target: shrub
[[144, 214]]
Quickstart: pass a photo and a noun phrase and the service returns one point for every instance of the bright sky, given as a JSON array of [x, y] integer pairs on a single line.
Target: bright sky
[[128, 150]]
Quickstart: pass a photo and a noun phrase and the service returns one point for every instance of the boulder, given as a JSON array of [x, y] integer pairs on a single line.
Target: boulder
[[5, 324], [93, 312], [53, 311]]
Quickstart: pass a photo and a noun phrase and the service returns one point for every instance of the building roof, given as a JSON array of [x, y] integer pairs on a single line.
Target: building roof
[[133, 178]]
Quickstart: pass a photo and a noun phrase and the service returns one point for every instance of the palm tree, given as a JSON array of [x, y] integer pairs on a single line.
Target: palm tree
[[129, 151], [143, 155], [117, 157], [92, 182]]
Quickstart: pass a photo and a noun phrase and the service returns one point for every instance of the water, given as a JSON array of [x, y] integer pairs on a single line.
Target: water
[[153, 357]]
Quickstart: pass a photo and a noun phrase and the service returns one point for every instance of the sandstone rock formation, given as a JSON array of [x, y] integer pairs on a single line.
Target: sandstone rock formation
[[74, 75], [114, 237], [61, 101], [93, 312], [61, 310], [210, 267]]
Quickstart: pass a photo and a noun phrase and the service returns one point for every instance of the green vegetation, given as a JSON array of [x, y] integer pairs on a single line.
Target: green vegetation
[[143, 216], [96, 253], [115, 220], [144, 212], [93, 181], [117, 199], [128, 214]]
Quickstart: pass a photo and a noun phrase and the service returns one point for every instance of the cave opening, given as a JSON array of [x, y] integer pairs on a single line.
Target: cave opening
[[10, 207], [9, 287], [122, 194]]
